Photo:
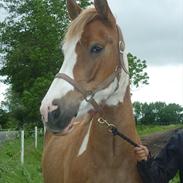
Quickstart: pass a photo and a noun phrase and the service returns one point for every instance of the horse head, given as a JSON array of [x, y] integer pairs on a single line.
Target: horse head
[[91, 55]]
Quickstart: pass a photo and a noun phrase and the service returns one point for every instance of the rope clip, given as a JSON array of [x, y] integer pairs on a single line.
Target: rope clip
[[102, 121]]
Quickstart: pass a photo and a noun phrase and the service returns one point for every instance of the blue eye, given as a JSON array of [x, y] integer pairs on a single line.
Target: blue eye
[[96, 49]]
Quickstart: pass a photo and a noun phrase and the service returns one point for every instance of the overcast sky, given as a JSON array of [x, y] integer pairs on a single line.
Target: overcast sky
[[153, 30]]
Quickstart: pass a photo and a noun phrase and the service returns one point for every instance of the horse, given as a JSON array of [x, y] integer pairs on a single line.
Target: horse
[[87, 98]]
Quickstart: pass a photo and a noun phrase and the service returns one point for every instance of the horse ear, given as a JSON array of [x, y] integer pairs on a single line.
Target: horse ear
[[104, 11], [73, 9]]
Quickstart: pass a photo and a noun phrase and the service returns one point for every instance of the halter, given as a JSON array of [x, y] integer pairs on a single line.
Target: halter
[[89, 95]]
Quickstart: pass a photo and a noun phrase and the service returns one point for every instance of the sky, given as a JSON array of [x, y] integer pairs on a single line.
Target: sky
[[153, 31]]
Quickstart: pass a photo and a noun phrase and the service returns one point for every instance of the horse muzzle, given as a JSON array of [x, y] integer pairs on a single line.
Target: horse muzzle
[[61, 120]]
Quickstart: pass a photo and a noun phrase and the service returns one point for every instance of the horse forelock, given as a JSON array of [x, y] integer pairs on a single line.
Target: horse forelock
[[76, 27]]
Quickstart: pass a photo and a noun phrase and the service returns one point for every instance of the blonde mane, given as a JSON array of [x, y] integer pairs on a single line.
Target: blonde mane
[[77, 25]]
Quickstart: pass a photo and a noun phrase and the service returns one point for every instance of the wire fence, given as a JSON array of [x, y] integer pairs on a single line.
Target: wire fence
[[36, 133]]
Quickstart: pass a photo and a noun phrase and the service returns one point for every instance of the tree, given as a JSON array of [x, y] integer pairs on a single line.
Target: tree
[[30, 51], [148, 115], [172, 113], [137, 107], [158, 113], [3, 118], [136, 68]]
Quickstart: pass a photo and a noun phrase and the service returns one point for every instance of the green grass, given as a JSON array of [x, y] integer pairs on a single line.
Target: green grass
[[11, 170], [176, 179], [149, 129]]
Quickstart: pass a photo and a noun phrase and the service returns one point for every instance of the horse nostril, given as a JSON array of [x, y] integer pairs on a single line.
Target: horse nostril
[[53, 115], [56, 113], [56, 102]]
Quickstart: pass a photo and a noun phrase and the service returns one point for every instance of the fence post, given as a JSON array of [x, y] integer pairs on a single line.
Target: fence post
[[44, 129], [36, 137], [22, 147]]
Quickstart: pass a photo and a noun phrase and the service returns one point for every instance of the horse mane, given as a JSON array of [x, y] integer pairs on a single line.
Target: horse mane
[[77, 25]]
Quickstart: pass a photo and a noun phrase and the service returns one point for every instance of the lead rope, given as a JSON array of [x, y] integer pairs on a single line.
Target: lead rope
[[112, 128]]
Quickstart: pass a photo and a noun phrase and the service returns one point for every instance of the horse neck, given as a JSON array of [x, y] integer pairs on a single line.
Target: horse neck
[[102, 142]]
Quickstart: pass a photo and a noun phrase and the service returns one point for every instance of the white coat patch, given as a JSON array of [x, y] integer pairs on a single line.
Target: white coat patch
[[85, 140]]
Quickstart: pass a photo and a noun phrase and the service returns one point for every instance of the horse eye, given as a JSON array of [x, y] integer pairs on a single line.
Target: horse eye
[[96, 49]]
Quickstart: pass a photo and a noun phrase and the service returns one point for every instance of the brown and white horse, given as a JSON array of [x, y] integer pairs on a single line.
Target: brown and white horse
[[84, 151]]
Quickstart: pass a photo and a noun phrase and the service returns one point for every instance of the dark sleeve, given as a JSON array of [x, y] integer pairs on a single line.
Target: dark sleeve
[[162, 168]]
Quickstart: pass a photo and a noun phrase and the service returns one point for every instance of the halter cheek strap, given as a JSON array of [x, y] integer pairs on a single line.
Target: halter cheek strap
[[121, 49]]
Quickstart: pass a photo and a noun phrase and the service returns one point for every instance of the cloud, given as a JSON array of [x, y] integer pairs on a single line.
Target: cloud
[[166, 84], [153, 30]]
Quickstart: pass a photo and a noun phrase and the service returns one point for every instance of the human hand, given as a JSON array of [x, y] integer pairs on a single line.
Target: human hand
[[141, 153]]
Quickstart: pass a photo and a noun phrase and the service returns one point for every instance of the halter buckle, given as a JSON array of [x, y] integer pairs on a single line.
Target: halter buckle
[[89, 96]]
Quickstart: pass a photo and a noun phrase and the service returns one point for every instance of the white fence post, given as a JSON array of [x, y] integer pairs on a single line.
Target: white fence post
[[44, 129], [22, 147], [36, 137]]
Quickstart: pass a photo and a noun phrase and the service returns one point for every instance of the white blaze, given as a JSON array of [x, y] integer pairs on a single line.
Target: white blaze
[[60, 87]]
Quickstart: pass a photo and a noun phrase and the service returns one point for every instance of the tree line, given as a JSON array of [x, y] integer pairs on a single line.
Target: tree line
[[158, 113]]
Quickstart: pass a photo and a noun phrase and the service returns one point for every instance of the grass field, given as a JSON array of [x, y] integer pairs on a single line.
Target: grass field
[[149, 129], [11, 170]]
